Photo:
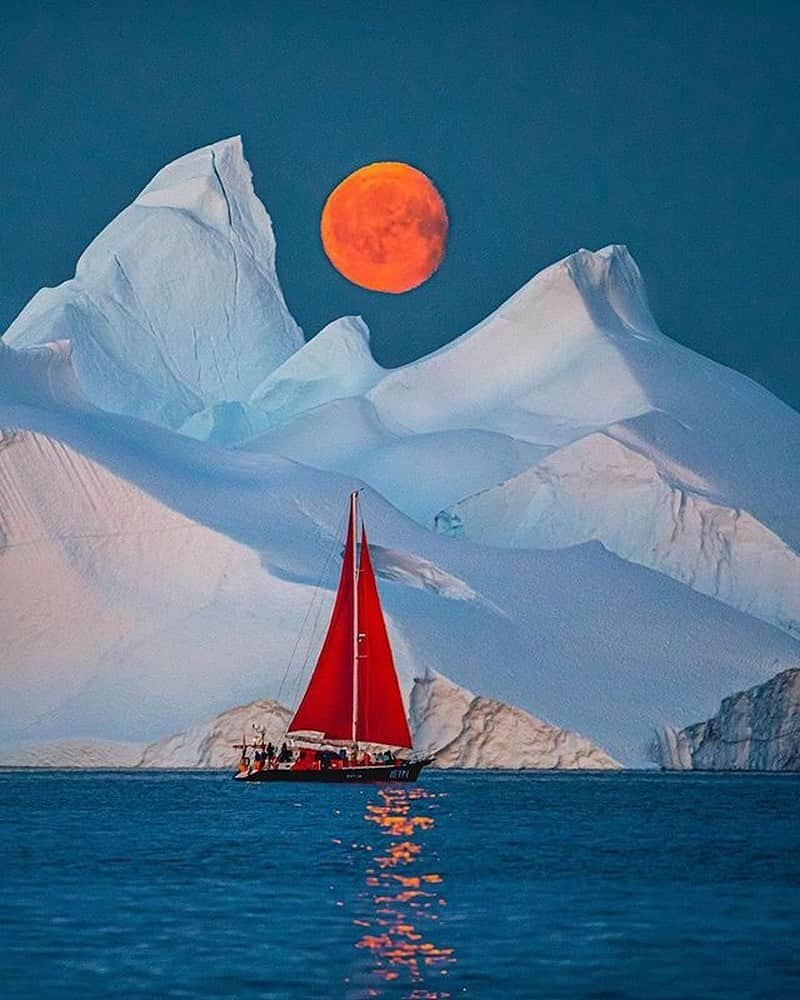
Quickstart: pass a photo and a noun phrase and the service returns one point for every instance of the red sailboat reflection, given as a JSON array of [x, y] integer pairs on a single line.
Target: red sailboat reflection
[[407, 900]]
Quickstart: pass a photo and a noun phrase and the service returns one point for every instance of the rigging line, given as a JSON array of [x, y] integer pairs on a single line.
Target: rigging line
[[308, 610], [314, 628], [294, 648], [301, 673], [311, 642]]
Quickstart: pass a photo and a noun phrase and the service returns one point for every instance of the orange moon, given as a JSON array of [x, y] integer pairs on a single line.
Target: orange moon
[[385, 227]]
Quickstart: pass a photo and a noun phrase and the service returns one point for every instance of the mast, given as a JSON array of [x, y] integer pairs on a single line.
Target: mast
[[354, 528]]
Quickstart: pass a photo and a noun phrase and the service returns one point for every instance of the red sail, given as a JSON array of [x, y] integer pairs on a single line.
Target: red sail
[[327, 706], [381, 715]]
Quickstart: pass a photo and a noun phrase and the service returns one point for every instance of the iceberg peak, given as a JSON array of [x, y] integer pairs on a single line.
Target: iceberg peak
[[175, 306], [552, 358], [611, 286], [214, 184], [335, 364]]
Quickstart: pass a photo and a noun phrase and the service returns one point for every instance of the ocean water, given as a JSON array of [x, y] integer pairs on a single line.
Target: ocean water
[[465, 885]]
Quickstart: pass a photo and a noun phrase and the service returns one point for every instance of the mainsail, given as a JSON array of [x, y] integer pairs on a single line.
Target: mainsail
[[353, 695]]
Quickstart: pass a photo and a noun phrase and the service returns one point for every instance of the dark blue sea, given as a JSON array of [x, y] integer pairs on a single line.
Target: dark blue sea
[[465, 885]]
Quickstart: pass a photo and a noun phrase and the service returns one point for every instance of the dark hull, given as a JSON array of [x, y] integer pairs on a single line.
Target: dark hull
[[381, 773]]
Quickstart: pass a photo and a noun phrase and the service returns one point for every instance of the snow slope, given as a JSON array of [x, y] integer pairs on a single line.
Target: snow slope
[[600, 489], [117, 603], [152, 578], [566, 416], [577, 351], [104, 599], [630, 427], [420, 473], [531, 369]]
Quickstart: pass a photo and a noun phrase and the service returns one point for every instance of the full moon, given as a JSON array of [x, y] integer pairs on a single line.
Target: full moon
[[385, 227]]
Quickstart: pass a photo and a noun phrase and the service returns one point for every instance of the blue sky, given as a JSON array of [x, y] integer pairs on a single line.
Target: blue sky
[[547, 127]]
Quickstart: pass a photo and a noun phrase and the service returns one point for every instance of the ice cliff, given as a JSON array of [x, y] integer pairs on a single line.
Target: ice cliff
[[757, 729]]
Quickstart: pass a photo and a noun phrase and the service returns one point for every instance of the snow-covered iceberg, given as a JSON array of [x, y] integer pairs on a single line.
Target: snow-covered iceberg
[[152, 578]]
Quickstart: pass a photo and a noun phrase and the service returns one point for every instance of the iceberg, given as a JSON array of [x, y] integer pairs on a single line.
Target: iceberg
[[757, 729], [460, 730], [618, 518], [465, 731], [176, 305], [209, 744], [150, 580]]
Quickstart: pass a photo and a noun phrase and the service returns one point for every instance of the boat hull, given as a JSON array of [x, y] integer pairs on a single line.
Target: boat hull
[[380, 773]]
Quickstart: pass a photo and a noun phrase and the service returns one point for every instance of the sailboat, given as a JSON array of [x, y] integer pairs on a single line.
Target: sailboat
[[350, 725]]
